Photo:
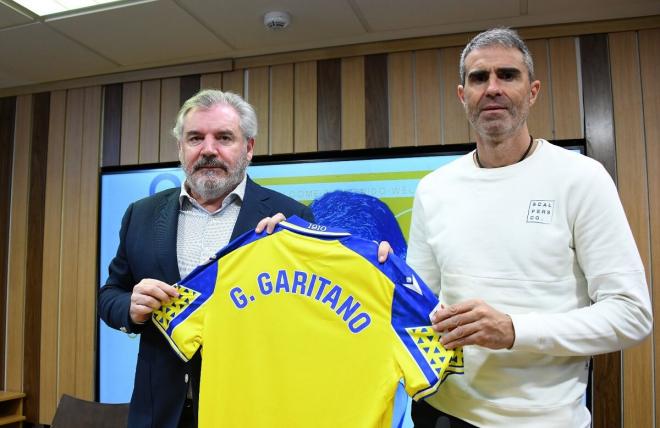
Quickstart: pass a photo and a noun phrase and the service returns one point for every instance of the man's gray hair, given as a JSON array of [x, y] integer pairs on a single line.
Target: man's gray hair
[[208, 98], [498, 36]]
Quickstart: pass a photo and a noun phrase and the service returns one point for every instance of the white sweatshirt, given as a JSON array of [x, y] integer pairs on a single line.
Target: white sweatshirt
[[545, 240]]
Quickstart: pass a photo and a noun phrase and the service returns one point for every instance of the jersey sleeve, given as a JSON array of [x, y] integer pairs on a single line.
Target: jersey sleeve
[[424, 362], [182, 319]]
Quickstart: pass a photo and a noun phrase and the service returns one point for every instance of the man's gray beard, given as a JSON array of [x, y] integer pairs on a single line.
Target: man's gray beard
[[209, 187], [486, 131]]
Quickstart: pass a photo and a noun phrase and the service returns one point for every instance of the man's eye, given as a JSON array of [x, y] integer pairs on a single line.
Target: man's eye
[[479, 77]]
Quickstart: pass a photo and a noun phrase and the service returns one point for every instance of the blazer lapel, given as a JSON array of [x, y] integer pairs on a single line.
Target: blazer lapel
[[254, 208], [165, 231]]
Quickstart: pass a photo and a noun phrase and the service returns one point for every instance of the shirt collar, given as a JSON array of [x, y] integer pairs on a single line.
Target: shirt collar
[[237, 193]]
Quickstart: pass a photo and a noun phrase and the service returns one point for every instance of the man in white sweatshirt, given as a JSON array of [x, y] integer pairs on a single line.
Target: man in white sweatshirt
[[529, 248]]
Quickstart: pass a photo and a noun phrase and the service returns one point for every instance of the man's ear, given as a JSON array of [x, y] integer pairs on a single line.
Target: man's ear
[[460, 91], [250, 148], [534, 91]]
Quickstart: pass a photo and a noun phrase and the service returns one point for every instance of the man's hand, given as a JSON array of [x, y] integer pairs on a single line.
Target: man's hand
[[269, 223], [149, 295], [473, 322], [384, 251]]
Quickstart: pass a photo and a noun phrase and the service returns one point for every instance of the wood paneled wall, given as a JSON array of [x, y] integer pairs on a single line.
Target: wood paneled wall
[[602, 87]]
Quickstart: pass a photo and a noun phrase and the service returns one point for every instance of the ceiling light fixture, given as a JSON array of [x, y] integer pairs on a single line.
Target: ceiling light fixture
[[51, 7]]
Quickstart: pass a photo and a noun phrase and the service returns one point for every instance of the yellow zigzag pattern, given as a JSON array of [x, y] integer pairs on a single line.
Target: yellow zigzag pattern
[[169, 311], [442, 360]]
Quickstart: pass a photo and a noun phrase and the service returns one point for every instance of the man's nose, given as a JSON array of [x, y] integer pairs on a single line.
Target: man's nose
[[209, 145], [494, 87]]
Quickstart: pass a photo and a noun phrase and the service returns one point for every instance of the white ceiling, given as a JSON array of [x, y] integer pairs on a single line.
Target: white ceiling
[[150, 33]]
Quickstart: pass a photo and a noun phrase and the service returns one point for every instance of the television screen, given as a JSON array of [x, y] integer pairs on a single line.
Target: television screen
[[349, 183]]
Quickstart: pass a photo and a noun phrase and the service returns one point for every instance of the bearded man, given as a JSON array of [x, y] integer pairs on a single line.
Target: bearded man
[[165, 236]]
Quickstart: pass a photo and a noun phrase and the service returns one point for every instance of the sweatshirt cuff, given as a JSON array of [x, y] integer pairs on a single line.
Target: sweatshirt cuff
[[529, 333]]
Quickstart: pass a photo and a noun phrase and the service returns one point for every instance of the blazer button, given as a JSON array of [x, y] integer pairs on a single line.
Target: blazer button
[[123, 329], [185, 378]]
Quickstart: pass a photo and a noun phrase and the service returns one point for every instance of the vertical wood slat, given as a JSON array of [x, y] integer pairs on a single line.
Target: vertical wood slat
[[7, 123], [597, 96], [401, 96], [650, 70], [455, 126], [353, 126], [169, 107], [18, 233], [540, 120], [281, 108], [428, 114], [33, 301], [51, 261], [189, 87], [632, 181], [304, 103], [259, 97], [87, 247], [599, 134], [112, 95], [149, 122], [233, 81], [68, 358], [565, 91], [211, 81], [329, 104], [376, 100], [130, 123]]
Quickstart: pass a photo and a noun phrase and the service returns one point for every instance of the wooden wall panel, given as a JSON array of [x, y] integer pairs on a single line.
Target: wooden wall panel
[[566, 100], [597, 96], [455, 126], [376, 101], [149, 122], [211, 81], [233, 81], [7, 123], [428, 113], [112, 95], [329, 104], [353, 126], [189, 87], [540, 121], [170, 93], [34, 265], [599, 134], [258, 94], [281, 109], [401, 95], [18, 234], [68, 358], [51, 261], [87, 278], [130, 123], [305, 130], [632, 181], [649, 40]]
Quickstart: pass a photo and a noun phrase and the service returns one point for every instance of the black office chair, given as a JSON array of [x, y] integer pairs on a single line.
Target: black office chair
[[76, 413]]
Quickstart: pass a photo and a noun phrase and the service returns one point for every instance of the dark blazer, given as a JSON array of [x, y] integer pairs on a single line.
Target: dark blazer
[[147, 249]]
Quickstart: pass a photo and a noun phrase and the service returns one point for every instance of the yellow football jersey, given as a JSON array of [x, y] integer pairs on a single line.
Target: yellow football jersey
[[305, 328]]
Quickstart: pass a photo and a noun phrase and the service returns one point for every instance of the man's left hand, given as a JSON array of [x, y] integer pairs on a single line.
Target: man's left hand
[[269, 223], [473, 322]]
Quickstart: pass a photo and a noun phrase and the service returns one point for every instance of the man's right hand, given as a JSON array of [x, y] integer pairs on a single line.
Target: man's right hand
[[149, 295]]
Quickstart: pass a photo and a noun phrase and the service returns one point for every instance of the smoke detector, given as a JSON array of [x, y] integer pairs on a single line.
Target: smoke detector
[[277, 20]]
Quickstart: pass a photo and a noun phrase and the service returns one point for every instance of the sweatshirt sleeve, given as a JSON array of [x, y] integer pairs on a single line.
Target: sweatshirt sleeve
[[620, 315]]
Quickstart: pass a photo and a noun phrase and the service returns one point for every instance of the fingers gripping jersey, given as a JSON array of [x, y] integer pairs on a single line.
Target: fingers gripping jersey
[[305, 328]]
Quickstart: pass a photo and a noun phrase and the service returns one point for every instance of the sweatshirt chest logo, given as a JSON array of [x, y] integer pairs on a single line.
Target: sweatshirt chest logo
[[540, 211]]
